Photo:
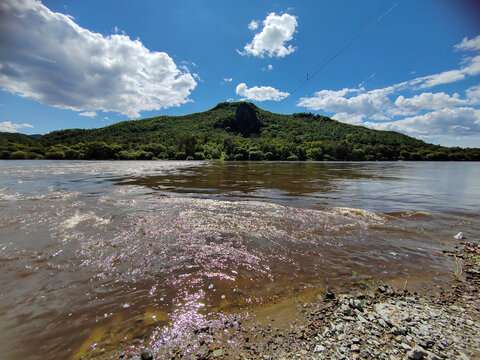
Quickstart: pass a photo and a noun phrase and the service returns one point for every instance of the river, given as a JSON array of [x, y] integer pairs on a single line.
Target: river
[[109, 254]]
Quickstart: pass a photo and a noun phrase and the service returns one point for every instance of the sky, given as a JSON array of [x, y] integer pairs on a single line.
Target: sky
[[411, 66]]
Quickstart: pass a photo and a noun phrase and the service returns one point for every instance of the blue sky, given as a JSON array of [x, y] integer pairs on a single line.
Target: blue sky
[[85, 64]]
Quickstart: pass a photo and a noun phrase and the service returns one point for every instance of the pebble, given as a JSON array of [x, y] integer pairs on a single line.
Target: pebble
[[417, 353], [146, 355], [217, 353], [355, 348]]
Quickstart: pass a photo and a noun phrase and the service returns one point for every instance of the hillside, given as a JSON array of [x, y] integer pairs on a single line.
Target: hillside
[[230, 131]]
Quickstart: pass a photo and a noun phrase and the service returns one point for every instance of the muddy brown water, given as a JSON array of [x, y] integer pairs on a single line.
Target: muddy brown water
[[98, 254]]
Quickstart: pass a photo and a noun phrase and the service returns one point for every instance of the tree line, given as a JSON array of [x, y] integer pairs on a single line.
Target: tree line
[[191, 147], [232, 132]]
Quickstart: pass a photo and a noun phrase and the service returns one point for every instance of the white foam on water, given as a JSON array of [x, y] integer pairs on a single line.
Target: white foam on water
[[360, 214], [10, 197], [76, 219]]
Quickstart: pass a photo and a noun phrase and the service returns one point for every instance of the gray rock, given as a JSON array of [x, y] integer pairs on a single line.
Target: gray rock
[[346, 310], [356, 340], [432, 356], [426, 343], [355, 348], [217, 353], [361, 319], [417, 353], [356, 304], [319, 348], [383, 323], [398, 331]]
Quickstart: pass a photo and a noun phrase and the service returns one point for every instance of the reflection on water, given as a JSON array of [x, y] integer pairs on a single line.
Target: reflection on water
[[98, 254], [444, 187]]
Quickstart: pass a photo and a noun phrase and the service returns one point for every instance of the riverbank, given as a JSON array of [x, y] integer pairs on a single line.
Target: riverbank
[[378, 323]]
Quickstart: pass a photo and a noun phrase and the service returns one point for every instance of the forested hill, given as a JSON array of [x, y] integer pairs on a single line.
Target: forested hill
[[230, 131]]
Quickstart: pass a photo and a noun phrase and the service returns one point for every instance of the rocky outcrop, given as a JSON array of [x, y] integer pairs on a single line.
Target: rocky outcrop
[[244, 122]]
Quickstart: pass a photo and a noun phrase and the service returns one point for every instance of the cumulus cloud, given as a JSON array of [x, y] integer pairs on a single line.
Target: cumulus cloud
[[349, 102], [253, 25], [47, 57], [260, 93], [90, 114], [8, 126], [270, 67], [469, 44], [449, 121], [473, 95], [428, 101], [354, 119], [354, 105], [227, 79], [277, 31]]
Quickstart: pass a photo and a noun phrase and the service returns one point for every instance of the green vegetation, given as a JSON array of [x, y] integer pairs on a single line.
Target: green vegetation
[[229, 131]]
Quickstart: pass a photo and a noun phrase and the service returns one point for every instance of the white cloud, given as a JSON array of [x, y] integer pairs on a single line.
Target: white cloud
[[352, 105], [277, 30], [469, 44], [270, 67], [448, 118], [471, 68], [449, 121], [428, 101], [342, 102], [354, 119], [47, 57], [446, 77], [227, 79], [8, 126], [473, 95], [253, 25], [260, 93], [90, 114]]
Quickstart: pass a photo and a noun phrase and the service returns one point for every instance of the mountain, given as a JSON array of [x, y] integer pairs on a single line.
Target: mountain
[[229, 131]]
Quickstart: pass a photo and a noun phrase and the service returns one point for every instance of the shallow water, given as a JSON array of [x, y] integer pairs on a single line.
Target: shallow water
[[90, 250]]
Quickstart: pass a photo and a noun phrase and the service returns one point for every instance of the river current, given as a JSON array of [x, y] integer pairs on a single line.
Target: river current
[[99, 255]]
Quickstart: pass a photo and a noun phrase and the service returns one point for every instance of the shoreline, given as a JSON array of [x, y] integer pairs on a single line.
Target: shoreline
[[379, 322]]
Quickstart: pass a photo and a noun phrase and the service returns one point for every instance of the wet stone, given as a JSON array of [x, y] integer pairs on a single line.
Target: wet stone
[[329, 295], [146, 355]]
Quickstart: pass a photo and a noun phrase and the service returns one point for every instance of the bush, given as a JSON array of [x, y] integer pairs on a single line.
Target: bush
[[256, 155], [315, 154], [181, 155], [198, 156], [19, 155], [54, 152]]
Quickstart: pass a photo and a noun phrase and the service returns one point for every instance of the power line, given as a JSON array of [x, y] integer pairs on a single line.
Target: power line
[[364, 28]]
